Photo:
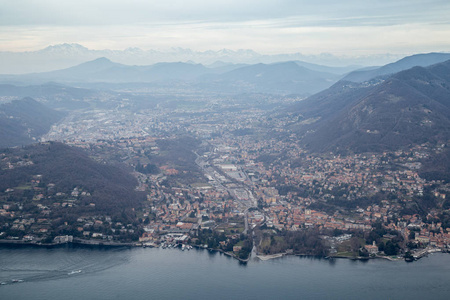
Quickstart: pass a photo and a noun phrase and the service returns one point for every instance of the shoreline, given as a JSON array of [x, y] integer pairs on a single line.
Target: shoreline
[[99, 244], [74, 242], [81, 242], [270, 256], [224, 252]]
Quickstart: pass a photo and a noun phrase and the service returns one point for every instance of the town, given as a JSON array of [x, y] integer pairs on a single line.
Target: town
[[229, 176]]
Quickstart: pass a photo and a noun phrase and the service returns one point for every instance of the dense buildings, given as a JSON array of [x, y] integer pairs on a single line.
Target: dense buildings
[[225, 175]]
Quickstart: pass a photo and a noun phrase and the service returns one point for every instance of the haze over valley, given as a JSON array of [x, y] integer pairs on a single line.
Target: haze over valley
[[330, 139], [231, 149]]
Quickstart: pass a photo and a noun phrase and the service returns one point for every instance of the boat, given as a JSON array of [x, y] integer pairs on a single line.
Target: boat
[[409, 259], [17, 280], [74, 272]]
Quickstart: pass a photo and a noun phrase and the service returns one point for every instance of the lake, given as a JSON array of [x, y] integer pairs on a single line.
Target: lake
[[76, 272]]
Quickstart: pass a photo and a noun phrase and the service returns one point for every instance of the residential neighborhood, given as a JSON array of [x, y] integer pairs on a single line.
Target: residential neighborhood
[[239, 176]]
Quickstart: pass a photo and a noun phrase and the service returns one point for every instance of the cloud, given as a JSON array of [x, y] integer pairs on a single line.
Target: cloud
[[102, 12], [262, 25]]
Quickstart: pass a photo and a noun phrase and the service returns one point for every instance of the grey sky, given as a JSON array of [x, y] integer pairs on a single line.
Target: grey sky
[[360, 27]]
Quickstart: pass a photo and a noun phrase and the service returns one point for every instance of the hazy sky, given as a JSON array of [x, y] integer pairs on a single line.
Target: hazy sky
[[278, 26]]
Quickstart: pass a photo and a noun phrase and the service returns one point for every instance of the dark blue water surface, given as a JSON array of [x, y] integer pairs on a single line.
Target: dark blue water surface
[[137, 273]]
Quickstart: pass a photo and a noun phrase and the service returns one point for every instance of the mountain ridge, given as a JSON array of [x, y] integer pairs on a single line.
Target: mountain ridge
[[65, 55], [278, 78], [111, 187], [410, 107], [23, 121], [417, 60]]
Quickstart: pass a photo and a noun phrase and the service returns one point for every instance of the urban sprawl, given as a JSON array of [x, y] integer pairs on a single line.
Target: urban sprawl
[[247, 184]]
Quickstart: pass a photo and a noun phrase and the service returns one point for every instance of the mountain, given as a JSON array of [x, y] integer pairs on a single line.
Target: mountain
[[111, 188], [284, 78], [66, 55], [55, 96], [410, 107], [278, 78], [174, 71], [24, 121], [421, 60], [327, 69], [220, 67], [89, 69], [327, 103], [437, 167], [104, 70]]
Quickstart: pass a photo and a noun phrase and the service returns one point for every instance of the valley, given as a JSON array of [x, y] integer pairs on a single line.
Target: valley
[[230, 172]]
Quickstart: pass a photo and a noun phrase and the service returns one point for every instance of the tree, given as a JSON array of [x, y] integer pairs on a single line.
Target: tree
[[363, 252], [391, 248], [355, 244], [409, 256]]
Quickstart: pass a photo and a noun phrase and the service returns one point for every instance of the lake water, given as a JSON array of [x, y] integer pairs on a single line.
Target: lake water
[[138, 273]]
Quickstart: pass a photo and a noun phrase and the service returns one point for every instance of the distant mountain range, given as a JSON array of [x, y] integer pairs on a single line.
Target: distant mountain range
[[23, 121], [104, 70], [66, 55], [277, 78], [409, 107], [287, 77]]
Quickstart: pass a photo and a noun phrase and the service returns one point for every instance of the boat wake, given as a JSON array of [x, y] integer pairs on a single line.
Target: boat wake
[[23, 267]]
